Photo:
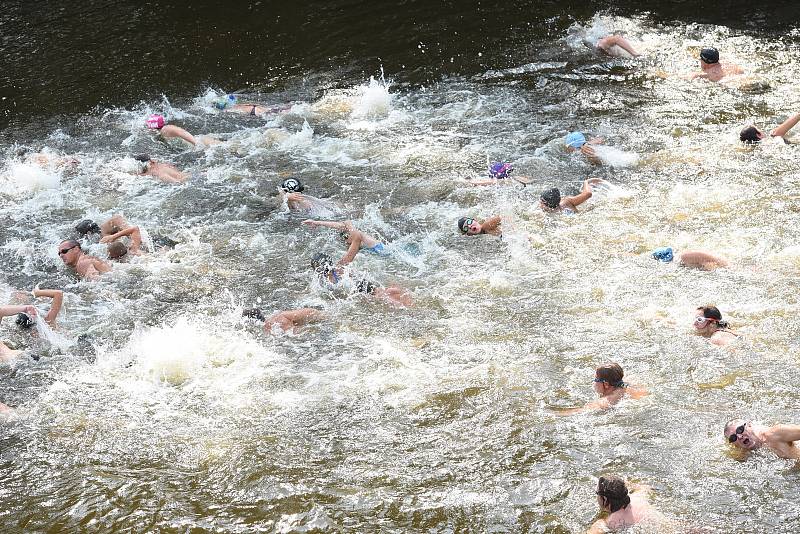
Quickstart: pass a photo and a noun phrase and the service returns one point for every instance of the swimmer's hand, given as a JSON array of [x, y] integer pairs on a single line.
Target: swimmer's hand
[[107, 239], [310, 222], [595, 181], [31, 310], [588, 151]]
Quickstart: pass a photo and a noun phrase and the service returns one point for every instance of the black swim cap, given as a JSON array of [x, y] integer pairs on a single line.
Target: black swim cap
[[253, 313], [749, 135], [461, 222], [24, 320], [87, 226], [551, 198], [321, 262], [709, 56], [144, 158], [292, 185]]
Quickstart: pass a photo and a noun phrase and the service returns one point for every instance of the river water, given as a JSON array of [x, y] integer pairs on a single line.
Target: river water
[[174, 414]]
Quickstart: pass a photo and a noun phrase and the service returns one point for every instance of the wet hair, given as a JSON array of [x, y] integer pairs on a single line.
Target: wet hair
[[612, 373], [321, 263], [709, 56], [117, 249], [730, 427], [712, 312], [144, 158], [749, 135], [614, 493], [25, 321], [551, 198], [72, 243], [87, 226], [254, 313]]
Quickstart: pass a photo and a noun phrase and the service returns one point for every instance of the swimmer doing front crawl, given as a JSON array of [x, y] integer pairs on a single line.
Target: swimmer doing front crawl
[[333, 274], [356, 239], [27, 315], [285, 320], [749, 436], [551, 200], [612, 389]]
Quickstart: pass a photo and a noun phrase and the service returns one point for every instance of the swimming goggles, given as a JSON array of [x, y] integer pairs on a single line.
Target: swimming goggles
[[739, 431], [466, 225], [65, 250], [702, 321]]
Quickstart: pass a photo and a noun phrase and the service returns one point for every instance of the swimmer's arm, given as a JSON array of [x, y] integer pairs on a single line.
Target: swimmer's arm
[[703, 260], [786, 433], [352, 250], [598, 527], [176, 131], [328, 224], [5, 311], [133, 231], [492, 223], [58, 299], [601, 404], [590, 153], [584, 195], [787, 125], [302, 316], [99, 266]]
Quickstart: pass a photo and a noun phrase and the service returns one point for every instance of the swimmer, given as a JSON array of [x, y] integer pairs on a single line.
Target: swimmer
[[113, 229], [607, 43], [231, 104], [575, 142], [551, 201], [711, 69], [691, 258], [85, 266], [170, 131], [163, 171], [286, 320], [708, 323], [292, 190], [323, 265], [356, 239], [609, 385], [749, 436], [624, 508], [498, 175], [6, 353], [117, 251], [752, 135], [491, 226], [43, 159]]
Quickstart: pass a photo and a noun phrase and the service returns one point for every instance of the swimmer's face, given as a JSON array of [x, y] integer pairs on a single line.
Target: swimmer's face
[[742, 436], [703, 324], [473, 228], [68, 252]]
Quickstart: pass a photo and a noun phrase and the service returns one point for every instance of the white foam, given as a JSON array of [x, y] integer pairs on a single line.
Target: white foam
[[21, 179]]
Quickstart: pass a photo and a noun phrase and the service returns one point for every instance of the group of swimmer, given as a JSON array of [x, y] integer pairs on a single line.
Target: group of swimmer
[[625, 503]]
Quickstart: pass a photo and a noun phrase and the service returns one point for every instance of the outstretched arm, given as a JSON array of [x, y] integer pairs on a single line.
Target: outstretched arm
[[787, 125], [133, 231], [598, 527], [5, 311], [302, 316], [58, 299], [600, 404], [341, 226], [171, 130]]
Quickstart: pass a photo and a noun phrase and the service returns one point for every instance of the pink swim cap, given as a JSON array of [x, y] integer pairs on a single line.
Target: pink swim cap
[[155, 122]]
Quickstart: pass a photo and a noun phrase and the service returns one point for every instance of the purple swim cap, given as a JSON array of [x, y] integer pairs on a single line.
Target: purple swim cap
[[500, 170], [155, 122]]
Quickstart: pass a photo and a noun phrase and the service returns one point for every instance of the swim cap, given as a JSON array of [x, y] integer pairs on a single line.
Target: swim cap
[[24, 320], [87, 226], [253, 313], [144, 158], [709, 56], [551, 198], [575, 140], [500, 170], [749, 134], [155, 122], [663, 254], [292, 185], [321, 262], [224, 101]]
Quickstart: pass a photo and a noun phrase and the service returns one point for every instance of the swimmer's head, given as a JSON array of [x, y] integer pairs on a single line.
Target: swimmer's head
[[740, 434], [709, 318], [575, 140], [117, 250], [663, 254], [225, 101], [500, 170], [612, 493], [551, 198], [322, 263], [610, 374], [254, 313], [143, 161], [751, 134], [292, 185], [709, 56], [87, 226], [25, 321], [155, 122], [469, 226]]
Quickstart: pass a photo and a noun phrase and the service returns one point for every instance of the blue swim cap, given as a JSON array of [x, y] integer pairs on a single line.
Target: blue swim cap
[[663, 254], [500, 170], [575, 140]]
